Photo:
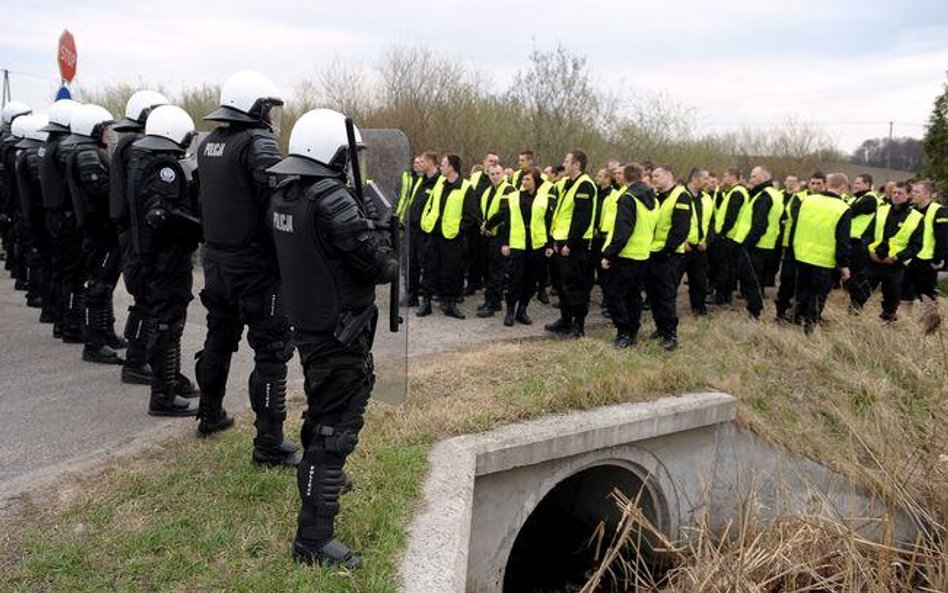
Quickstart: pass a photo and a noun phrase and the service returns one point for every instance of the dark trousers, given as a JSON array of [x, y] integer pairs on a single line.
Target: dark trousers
[[751, 271], [594, 271], [661, 286], [72, 276], [623, 294], [921, 278], [524, 267], [242, 287], [890, 277], [723, 256], [858, 265], [338, 382], [695, 264], [574, 293], [773, 266], [496, 280], [169, 281], [444, 268], [415, 252], [787, 291], [102, 262], [476, 255], [813, 285]]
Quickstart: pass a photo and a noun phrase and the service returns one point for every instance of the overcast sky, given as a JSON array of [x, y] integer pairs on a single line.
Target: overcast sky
[[850, 66]]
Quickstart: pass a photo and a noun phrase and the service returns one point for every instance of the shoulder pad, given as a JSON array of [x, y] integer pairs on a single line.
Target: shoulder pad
[[90, 165]]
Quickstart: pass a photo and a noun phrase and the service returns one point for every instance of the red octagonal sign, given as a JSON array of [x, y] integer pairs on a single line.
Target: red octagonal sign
[[67, 56]]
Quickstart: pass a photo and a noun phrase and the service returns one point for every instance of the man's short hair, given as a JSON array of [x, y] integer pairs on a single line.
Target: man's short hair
[[818, 175], [668, 168], [454, 160], [928, 184], [633, 172], [430, 156], [580, 157], [527, 153], [837, 181], [695, 173], [866, 178], [734, 172]]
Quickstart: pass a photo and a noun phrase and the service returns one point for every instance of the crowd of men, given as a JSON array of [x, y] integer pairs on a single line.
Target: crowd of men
[[638, 229], [293, 250]]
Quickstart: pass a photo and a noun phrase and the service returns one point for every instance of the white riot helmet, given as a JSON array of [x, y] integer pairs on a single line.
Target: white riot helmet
[[13, 110], [28, 130], [60, 115], [139, 105], [318, 145], [90, 121], [168, 128], [249, 97]]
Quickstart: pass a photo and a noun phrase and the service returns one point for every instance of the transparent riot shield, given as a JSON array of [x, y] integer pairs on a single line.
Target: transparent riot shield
[[390, 351]]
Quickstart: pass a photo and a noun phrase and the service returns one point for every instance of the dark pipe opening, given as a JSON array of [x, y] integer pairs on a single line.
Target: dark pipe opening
[[552, 552]]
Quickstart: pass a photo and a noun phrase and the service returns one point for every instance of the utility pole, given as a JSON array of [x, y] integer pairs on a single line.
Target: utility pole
[[888, 149]]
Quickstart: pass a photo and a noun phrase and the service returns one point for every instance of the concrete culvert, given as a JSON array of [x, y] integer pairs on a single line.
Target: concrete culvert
[[555, 550]]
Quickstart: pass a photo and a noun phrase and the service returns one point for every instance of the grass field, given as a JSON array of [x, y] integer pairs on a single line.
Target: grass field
[[867, 400]]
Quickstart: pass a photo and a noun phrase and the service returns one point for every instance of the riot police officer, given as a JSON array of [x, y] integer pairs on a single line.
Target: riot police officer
[[241, 276], [35, 241], [331, 258], [87, 175], [10, 221], [135, 370], [163, 232], [65, 243]]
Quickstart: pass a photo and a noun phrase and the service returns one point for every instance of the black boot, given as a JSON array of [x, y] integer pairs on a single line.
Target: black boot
[[331, 553], [320, 480], [511, 315], [425, 309], [579, 328], [451, 310], [487, 309], [211, 377], [522, 316], [560, 326], [166, 361], [267, 386], [136, 370], [95, 349], [543, 296], [670, 341]]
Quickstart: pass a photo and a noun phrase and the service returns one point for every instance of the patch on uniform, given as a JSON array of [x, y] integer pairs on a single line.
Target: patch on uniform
[[683, 206], [582, 196], [167, 175]]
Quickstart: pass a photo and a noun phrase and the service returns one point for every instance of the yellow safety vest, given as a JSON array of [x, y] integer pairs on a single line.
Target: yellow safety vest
[[900, 240], [518, 230], [453, 207], [608, 217], [639, 245], [861, 221], [489, 210], [475, 178], [935, 213], [719, 213], [407, 196], [515, 178], [746, 217], [698, 234], [814, 240], [564, 210], [663, 222], [788, 209]]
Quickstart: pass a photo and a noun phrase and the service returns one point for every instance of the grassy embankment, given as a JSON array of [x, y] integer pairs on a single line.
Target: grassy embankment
[[864, 399]]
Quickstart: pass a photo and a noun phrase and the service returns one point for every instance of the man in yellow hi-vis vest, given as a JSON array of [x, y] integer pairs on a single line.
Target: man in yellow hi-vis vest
[[922, 272], [476, 244], [491, 202], [417, 240], [450, 213], [787, 290], [893, 238], [695, 262], [818, 243], [724, 252], [572, 232]]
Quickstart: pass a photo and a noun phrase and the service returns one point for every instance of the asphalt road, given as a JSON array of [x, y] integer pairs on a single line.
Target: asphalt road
[[60, 414]]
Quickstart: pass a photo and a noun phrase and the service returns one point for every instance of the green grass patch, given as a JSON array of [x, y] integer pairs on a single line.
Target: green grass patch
[[198, 516]]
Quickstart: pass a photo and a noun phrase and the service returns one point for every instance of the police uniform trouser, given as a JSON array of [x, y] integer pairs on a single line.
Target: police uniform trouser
[[242, 287], [496, 271], [20, 248], [444, 268], [858, 267], [524, 265], [574, 296], [890, 277], [922, 278], [72, 276], [787, 297], [54, 283], [417, 251], [751, 269], [661, 287], [476, 260], [138, 324], [594, 271], [813, 285], [695, 265], [169, 289], [773, 266], [723, 262], [338, 382], [102, 261], [623, 294]]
